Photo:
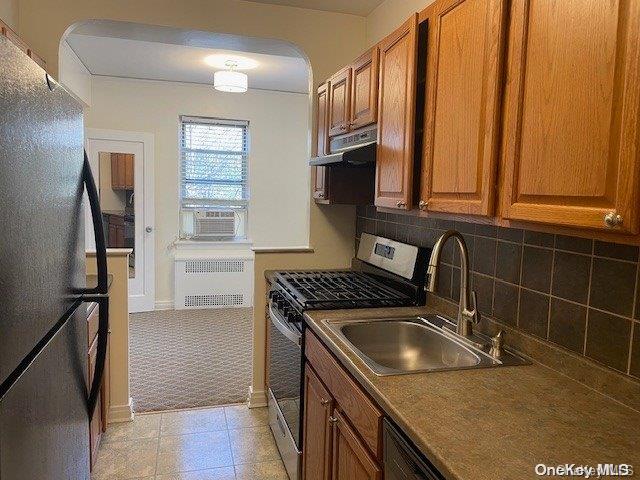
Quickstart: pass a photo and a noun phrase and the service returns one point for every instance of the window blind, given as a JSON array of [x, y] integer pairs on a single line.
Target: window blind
[[213, 163]]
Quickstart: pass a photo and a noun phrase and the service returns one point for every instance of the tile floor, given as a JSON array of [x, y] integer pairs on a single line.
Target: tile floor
[[220, 443]]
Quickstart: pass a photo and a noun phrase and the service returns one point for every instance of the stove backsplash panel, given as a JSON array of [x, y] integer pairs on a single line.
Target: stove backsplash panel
[[581, 294]]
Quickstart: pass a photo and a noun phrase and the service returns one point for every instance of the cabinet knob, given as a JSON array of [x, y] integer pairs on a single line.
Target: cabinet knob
[[325, 402], [148, 229], [401, 204], [333, 421], [423, 205], [612, 219], [343, 127]]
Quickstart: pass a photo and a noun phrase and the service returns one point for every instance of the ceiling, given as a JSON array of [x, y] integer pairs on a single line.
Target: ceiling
[[354, 7], [122, 49]]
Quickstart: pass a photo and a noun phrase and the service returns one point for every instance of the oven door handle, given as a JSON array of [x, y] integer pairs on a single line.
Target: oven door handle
[[282, 327]]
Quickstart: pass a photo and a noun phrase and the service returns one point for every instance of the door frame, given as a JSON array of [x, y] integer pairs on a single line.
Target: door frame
[[145, 301]]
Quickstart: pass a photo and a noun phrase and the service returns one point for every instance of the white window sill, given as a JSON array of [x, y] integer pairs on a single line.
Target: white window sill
[[196, 249], [212, 243]]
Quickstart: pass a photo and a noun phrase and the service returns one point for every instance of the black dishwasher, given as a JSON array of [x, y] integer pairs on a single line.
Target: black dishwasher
[[402, 461]]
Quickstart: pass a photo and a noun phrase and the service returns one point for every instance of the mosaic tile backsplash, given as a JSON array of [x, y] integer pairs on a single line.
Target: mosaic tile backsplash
[[581, 294]]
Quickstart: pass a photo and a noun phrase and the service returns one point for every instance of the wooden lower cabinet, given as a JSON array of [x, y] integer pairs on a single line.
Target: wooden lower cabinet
[[342, 427], [318, 406], [349, 457], [98, 423]]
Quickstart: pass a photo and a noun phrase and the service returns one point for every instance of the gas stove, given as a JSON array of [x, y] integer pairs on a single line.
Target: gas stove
[[386, 273]]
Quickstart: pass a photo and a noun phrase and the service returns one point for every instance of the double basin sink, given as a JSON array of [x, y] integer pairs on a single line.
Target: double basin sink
[[417, 344]]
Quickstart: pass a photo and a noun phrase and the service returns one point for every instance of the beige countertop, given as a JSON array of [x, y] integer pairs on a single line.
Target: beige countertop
[[496, 423]]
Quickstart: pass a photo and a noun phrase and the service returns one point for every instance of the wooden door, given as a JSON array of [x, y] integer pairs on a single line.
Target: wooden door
[[119, 171], [316, 453], [462, 106], [570, 142], [396, 117], [339, 101], [364, 90], [320, 184], [350, 459]]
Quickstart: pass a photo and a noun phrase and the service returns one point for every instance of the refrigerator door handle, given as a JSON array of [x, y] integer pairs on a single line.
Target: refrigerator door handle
[[101, 354], [98, 231], [100, 291]]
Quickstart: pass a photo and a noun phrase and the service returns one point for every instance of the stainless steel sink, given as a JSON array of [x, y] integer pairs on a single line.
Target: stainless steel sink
[[417, 344]]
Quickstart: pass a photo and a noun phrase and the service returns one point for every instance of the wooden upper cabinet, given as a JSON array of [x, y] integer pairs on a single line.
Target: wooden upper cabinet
[[339, 101], [570, 142], [364, 90], [462, 106], [320, 184], [122, 171], [350, 459], [318, 405], [396, 117]]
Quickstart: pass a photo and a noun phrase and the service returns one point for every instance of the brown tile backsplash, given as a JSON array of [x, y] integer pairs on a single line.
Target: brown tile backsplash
[[536, 268], [608, 339], [613, 286], [635, 351], [574, 292], [571, 276], [533, 313], [567, 324]]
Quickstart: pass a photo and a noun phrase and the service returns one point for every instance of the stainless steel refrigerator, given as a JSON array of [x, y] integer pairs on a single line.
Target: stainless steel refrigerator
[[45, 398]]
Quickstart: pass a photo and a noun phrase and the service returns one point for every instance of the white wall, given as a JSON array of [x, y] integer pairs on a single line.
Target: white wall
[[279, 150], [9, 13], [389, 15], [73, 74]]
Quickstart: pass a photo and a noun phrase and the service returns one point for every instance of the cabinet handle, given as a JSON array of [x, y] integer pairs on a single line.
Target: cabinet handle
[[321, 195], [612, 219], [343, 127], [325, 402], [423, 205], [401, 204], [333, 421]]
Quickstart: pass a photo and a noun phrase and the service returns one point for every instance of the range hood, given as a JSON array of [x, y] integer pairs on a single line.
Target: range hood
[[351, 149]]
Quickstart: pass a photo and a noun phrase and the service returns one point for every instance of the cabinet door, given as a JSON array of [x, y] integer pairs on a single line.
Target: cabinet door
[[316, 453], [114, 171], [364, 89], [120, 236], [339, 101], [320, 184], [95, 425], [570, 149], [129, 166], [350, 459], [105, 392], [462, 106], [113, 235], [396, 117]]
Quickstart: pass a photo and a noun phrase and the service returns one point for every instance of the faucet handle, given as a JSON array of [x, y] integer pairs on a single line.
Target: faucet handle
[[496, 345], [475, 318]]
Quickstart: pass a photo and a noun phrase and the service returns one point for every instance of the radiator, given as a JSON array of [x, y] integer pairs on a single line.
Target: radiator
[[213, 282]]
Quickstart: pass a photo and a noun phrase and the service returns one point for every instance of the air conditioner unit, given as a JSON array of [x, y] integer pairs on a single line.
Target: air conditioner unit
[[214, 223]]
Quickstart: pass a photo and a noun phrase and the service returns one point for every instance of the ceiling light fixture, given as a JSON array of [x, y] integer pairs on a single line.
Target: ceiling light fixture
[[230, 80], [220, 60]]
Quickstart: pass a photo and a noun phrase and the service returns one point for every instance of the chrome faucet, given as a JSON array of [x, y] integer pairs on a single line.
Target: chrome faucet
[[467, 309]]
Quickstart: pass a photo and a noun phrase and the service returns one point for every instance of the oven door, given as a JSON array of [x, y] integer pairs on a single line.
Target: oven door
[[285, 387]]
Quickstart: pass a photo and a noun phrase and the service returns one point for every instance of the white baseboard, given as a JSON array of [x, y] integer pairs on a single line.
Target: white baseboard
[[121, 413], [164, 305], [257, 398]]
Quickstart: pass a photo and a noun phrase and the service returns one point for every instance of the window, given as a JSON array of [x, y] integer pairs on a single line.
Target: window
[[213, 176]]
